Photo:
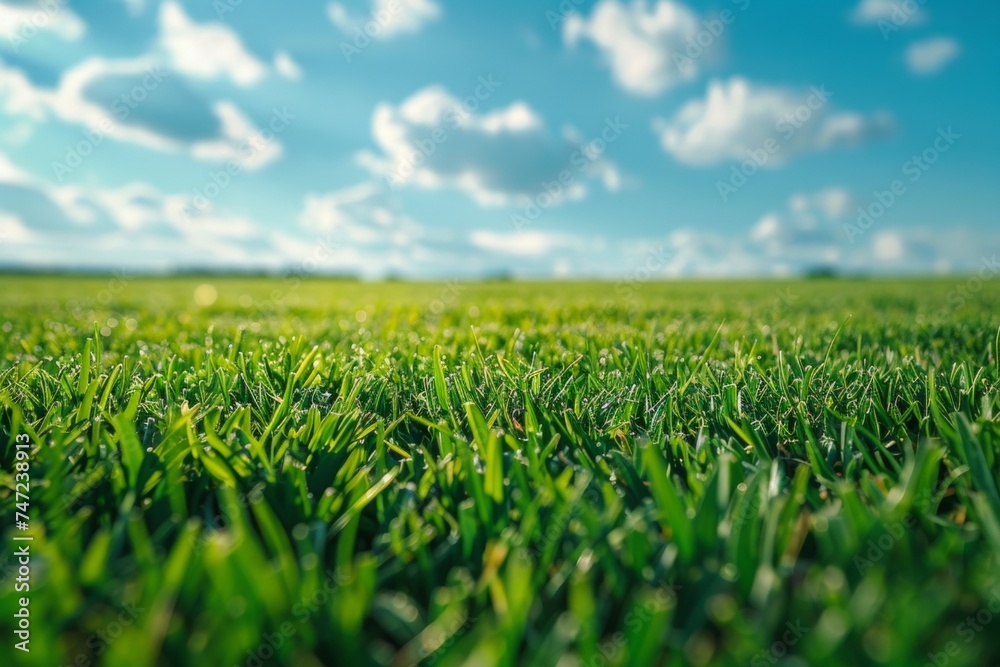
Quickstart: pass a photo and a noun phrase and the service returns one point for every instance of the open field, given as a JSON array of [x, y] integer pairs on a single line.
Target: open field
[[273, 472]]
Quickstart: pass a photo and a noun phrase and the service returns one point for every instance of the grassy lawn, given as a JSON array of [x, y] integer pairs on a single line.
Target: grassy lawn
[[279, 472]]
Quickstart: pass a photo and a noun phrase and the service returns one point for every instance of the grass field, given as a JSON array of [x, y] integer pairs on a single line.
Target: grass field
[[249, 472]]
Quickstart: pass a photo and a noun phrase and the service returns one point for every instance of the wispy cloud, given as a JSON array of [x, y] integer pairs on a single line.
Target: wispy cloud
[[931, 55], [386, 18]]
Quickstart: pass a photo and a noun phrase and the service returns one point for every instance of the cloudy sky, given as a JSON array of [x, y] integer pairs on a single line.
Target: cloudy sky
[[435, 138]]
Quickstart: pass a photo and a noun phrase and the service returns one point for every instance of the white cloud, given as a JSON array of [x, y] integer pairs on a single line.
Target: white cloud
[[11, 173], [19, 133], [736, 119], [209, 51], [643, 45], [897, 12], [354, 230], [238, 139], [530, 243], [832, 203], [888, 246], [505, 156], [135, 7], [12, 230], [360, 215], [387, 18], [931, 55], [133, 224], [374, 237], [286, 67], [805, 234], [20, 22]]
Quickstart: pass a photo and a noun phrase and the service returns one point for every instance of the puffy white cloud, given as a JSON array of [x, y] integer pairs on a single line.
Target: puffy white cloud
[[930, 56], [737, 119], [19, 22], [208, 50], [286, 67], [502, 157], [898, 12], [387, 18], [643, 45], [237, 140]]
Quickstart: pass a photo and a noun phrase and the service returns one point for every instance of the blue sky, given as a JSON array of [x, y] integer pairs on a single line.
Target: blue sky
[[432, 138]]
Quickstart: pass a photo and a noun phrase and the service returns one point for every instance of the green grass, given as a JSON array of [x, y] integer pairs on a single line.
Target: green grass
[[337, 473]]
